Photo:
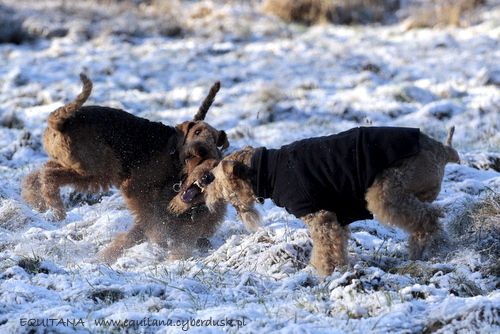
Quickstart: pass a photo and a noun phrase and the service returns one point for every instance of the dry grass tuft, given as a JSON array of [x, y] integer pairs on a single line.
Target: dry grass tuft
[[90, 19], [421, 271], [478, 225], [11, 27], [335, 11], [420, 13], [434, 13], [493, 269]]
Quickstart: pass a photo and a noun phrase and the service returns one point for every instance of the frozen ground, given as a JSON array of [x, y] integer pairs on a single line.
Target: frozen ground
[[280, 83]]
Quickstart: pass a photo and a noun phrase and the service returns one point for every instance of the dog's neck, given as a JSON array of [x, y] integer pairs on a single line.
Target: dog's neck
[[263, 172]]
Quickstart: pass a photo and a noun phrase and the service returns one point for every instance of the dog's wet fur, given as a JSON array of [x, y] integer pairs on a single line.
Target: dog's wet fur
[[93, 148]]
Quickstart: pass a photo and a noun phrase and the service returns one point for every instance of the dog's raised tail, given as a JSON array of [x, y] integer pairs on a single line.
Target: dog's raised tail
[[451, 152], [57, 117], [449, 137], [202, 112]]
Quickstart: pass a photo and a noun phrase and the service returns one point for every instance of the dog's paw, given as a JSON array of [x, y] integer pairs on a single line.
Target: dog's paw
[[55, 215], [179, 253], [108, 256], [59, 214], [437, 245], [174, 207], [252, 219], [40, 206], [203, 244]]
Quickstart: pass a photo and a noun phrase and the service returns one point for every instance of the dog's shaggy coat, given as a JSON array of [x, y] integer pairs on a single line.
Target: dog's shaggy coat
[[93, 148], [400, 190], [191, 190]]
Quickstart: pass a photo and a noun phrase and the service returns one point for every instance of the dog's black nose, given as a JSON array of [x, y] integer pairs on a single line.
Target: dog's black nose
[[202, 151]]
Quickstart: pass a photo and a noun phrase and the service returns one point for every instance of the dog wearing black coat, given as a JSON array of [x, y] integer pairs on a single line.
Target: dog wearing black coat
[[329, 182]]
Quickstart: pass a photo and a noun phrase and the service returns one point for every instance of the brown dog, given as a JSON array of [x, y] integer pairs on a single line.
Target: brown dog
[[329, 182], [192, 193], [93, 148]]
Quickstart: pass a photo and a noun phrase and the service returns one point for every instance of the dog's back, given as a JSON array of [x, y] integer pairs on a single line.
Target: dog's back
[[134, 140], [90, 139]]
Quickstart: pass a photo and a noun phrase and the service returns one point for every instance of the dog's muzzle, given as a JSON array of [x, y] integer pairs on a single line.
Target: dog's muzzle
[[197, 188]]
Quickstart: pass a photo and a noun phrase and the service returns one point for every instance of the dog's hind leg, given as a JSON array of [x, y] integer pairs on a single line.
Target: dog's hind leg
[[329, 241], [52, 177], [31, 191], [393, 204], [51, 184]]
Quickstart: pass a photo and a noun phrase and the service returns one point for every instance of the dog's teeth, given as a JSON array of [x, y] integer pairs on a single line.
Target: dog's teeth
[[197, 183]]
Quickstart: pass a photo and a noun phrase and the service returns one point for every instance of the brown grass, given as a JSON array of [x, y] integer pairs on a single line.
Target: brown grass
[[326, 11], [11, 26], [418, 270], [478, 225], [421, 13], [434, 13]]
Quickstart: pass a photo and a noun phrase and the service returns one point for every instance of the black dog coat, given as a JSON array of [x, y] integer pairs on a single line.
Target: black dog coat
[[330, 173]]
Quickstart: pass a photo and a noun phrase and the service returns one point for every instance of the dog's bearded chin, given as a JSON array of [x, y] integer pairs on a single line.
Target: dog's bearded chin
[[191, 193]]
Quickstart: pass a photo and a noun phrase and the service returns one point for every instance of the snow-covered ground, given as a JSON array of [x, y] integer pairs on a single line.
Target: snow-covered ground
[[280, 83]]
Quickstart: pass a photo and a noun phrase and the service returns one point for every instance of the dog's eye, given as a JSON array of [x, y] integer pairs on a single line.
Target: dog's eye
[[207, 178], [197, 132]]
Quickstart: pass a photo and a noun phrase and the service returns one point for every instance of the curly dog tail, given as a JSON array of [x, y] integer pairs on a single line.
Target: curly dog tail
[[202, 112], [57, 117], [452, 155]]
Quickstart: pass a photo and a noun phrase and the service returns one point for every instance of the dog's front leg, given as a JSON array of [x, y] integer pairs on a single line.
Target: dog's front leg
[[122, 242], [329, 241]]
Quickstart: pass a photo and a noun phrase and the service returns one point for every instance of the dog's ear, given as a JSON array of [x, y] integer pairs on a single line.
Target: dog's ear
[[234, 169], [191, 163], [183, 128], [222, 140], [212, 162]]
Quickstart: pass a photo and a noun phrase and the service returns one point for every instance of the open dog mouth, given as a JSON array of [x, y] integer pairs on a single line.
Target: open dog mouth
[[192, 192], [196, 188]]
